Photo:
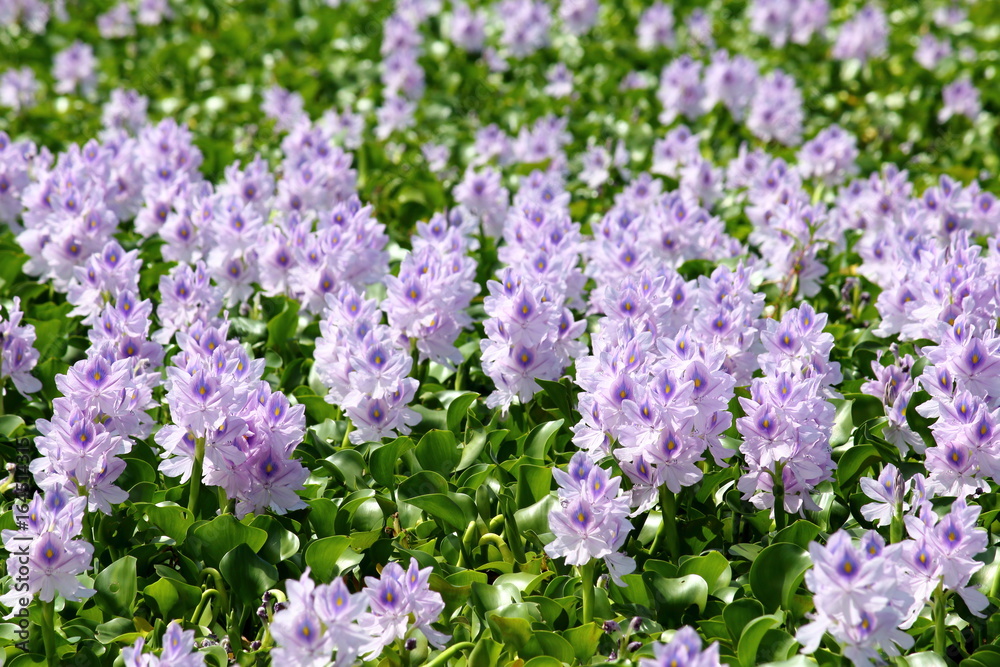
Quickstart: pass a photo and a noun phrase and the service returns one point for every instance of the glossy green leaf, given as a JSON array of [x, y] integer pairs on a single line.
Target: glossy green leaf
[[776, 574]]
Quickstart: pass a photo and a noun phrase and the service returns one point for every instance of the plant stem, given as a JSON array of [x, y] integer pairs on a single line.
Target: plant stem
[[347, 432], [195, 481], [444, 656], [200, 609], [778, 491], [667, 532], [587, 579], [939, 626], [896, 527], [49, 632]]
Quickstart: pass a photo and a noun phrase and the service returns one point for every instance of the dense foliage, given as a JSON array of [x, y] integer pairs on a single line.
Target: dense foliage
[[515, 333]]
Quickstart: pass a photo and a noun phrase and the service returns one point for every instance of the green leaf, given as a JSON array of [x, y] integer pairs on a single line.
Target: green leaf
[[540, 439], [221, 535], [854, 463], [330, 556], [751, 638], [170, 518], [437, 451], [281, 543], [116, 587], [738, 614], [458, 408], [169, 598], [548, 643], [584, 640], [448, 508], [674, 596], [514, 631], [801, 532], [533, 484], [712, 567], [384, 459], [486, 653], [323, 516], [9, 424], [282, 327], [247, 574], [776, 574], [922, 659], [561, 396]]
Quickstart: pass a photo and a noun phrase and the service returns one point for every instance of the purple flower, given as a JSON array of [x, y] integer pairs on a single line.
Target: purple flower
[[284, 107], [579, 16], [19, 89], [731, 81], [684, 648], [468, 27], [526, 26], [931, 51], [592, 520], [655, 27], [400, 602], [857, 601], [681, 90], [961, 98], [19, 355], [776, 110], [864, 36], [117, 22], [54, 557], [178, 649], [73, 68]]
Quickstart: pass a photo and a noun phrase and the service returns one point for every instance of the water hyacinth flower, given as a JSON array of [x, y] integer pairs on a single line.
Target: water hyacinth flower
[[74, 68], [401, 602], [684, 648], [117, 22], [655, 27], [19, 89], [961, 98], [45, 552], [938, 558], [19, 355], [592, 520], [864, 36], [855, 601], [362, 363], [776, 110], [178, 650], [321, 624]]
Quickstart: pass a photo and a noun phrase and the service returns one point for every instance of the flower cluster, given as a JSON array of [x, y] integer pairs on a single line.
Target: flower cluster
[[222, 411], [104, 404], [178, 650], [788, 422], [531, 333], [684, 648], [856, 601], [659, 386], [19, 353], [864, 36], [592, 518], [45, 553], [426, 303], [365, 367], [772, 104], [789, 231], [327, 624], [865, 596]]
